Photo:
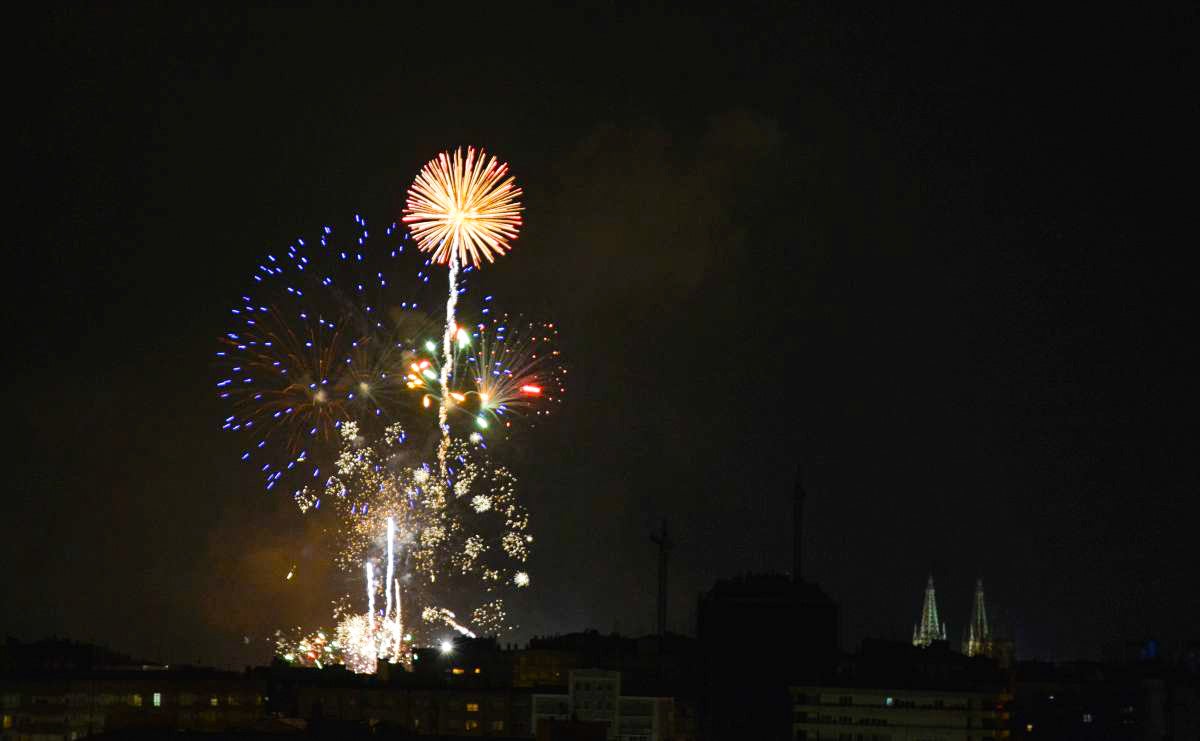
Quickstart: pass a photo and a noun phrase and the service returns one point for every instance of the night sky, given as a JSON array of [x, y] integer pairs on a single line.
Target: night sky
[[928, 258]]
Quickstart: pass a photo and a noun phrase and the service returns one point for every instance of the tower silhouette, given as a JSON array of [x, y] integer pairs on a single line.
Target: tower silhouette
[[798, 496], [663, 541]]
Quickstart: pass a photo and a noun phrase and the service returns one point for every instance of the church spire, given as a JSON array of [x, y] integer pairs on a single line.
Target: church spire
[[930, 628], [979, 633]]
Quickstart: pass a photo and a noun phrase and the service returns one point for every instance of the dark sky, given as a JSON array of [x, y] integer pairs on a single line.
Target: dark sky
[[926, 255]]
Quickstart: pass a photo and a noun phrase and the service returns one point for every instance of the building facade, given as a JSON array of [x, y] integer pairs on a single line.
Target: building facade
[[595, 697], [456, 711], [65, 708], [831, 713], [1090, 701]]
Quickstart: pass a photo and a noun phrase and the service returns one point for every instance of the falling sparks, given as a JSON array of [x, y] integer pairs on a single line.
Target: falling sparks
[[448, 547], [445, 617]]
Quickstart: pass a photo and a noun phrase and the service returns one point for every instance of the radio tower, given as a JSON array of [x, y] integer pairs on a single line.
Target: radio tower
[[930, 628], [664, 544], [798, 496], [979, 634]]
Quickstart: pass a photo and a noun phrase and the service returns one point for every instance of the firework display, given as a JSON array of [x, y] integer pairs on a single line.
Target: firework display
[[303, 648], [424, 546], [506, 368], [462, 541], [323, 338], [516, 371], [463, 208], [333, 372], [459, 208]]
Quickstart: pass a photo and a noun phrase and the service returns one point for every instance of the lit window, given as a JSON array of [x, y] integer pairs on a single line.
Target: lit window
[[1087, 717], [471, 725], [889, 702], [8, 722], [158, 699], [213, 701], [477, 670], [1029, 728], [458, 670], [472, 707], [135, 700], [497, 725]]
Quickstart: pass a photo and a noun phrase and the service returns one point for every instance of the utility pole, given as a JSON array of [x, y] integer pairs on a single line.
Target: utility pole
[[798, 498], [664, 544]]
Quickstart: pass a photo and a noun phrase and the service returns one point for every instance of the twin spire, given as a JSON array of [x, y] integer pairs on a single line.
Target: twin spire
[[930, 628], [979, 634], [978, 638]]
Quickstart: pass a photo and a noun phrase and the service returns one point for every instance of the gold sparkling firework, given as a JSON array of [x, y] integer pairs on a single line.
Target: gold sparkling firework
[[460, 542], [465, 206], [316, 648], [461, 209]]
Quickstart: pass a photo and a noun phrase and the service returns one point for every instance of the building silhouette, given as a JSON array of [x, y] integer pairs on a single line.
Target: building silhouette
[[758, 634], [891, 691]]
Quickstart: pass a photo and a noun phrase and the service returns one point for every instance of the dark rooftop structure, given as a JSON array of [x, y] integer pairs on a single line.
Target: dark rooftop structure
[[760, 633], [900, 665]]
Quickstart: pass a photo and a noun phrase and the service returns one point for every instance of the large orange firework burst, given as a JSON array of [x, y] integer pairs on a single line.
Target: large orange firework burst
[[464, 206]]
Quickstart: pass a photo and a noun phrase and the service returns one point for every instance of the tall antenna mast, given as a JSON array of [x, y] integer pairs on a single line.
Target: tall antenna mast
[[664, 544]]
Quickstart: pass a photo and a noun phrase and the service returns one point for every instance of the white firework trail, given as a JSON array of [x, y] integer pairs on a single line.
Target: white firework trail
[[370, 597], [447, 362], [391, 571]]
